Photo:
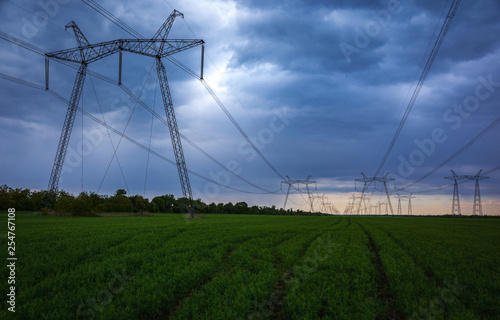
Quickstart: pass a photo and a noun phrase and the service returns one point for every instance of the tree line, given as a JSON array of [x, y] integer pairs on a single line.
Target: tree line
[[85, 204]]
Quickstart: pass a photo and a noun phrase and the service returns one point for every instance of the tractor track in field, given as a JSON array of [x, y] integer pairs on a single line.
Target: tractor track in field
[[348, 223], [178, 301], [399, 244], [383, 289], [278, 296], [429, 276]]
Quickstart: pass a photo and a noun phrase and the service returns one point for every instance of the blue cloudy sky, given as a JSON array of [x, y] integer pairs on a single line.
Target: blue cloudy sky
[[319, 86]]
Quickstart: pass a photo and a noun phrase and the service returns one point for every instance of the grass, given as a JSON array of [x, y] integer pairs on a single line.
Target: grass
[[253, 267]]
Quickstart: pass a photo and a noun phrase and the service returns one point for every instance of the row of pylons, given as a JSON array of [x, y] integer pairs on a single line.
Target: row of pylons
[[477, 209]]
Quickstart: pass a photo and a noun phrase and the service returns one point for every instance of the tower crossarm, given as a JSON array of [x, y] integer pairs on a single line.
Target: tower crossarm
[[476, 177], [147, 47], [455, 177]]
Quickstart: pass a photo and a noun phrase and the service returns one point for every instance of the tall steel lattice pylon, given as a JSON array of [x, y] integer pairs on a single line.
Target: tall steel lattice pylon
[[384, 180], [291, 182], [455, 206], [478, 207], [157, 47]]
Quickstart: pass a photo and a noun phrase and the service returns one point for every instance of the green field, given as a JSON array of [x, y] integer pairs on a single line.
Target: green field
[[253, 267]]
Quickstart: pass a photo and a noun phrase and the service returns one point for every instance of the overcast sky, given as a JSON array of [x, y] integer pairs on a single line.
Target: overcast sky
[[319, 86]]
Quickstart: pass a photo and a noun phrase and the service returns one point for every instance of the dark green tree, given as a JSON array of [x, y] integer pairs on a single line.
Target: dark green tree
[[139, 204]]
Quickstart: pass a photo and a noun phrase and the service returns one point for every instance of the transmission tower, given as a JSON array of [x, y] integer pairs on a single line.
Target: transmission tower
[[399, 204], [478, 207], [365, 181], [409, 197], [384, 180], [455, 206], [323, 204], [332, 208], [348, 208], [410, 210], [157, 47], [306, 182], [354, 198]]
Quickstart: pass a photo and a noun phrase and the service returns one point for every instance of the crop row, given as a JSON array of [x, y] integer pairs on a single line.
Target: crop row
[[440, 268]]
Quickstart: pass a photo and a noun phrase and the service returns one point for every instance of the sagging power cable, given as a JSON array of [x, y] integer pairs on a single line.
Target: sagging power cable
[[120, 134]]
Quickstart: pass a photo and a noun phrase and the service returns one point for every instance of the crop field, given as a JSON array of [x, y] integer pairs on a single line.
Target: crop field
[[254, 267]]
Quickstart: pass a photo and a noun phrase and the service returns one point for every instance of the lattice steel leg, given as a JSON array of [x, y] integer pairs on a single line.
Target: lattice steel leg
[[66, 130], [174, 132]]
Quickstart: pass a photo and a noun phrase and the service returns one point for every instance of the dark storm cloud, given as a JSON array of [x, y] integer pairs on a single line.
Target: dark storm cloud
[[299, 40]]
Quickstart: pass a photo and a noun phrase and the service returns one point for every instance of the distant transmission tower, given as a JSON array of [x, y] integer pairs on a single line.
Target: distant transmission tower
[[291, 182], [323, 207], [399, 204], [478, 207], [354, 198], [410, 210], [409, 197], [384, 180], [157, 47], [348, 208], [455, 206], [332, 208], [365, 181]]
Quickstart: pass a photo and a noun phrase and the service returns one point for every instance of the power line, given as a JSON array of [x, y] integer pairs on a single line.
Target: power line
[[143, 104], [120, 134], [460, 182], [126, 126], [150, 138], [457, 153], [234, 93], [37, 16], [109, 136], [425, 72], [20, 81], [235, 123], [42, 52], [108, 15], [136, 34], [416, 72]]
